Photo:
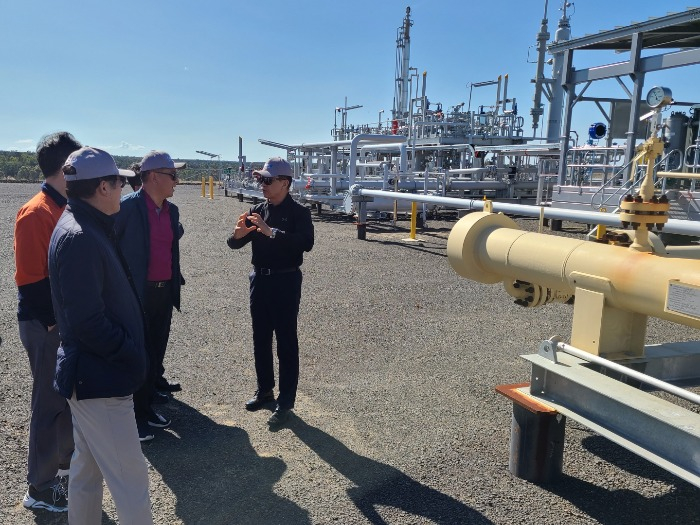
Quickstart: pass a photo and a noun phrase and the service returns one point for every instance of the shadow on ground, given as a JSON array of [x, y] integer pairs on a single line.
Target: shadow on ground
[[615, 505], [377, 484], [216, 475]]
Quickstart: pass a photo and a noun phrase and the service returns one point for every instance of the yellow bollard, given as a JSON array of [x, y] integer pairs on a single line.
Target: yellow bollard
[[204, 191], [211, 187], [414, 218], [601, 230]]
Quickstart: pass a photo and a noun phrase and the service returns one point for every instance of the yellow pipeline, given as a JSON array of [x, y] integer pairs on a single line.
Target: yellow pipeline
[[490, 248]]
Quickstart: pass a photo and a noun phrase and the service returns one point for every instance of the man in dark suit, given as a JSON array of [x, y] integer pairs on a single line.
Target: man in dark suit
[[149, 230]]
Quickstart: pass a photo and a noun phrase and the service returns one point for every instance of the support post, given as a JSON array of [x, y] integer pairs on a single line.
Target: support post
[[362, 220], [536, 437], [204, 190], [211, 187]]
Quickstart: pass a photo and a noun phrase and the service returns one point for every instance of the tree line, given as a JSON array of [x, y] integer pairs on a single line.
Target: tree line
[[21, 166]]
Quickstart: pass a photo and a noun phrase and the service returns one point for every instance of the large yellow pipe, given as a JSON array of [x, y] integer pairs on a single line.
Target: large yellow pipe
[[490, 248]]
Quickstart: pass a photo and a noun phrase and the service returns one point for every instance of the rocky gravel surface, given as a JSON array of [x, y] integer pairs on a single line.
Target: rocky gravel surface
[[397, 420]]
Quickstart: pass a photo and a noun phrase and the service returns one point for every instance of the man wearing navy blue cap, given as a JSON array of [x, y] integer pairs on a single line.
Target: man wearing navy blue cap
[[280, 231]]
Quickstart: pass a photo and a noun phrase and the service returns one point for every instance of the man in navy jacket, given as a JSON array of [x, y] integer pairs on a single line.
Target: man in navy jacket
[[149, 230], [102, 358]]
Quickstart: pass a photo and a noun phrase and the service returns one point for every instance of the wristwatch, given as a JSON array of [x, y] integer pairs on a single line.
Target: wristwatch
[[273, 233]]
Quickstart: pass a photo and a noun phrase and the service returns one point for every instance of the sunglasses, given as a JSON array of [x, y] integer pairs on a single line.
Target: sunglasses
[[267, 180], [116, 179], [173, 176]]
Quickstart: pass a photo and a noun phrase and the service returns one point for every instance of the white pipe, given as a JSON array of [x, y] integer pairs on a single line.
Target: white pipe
[[587, 217], [644, 378], [365, 137], [403, 164]]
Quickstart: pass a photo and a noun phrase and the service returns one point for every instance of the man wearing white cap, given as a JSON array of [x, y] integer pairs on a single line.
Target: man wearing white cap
[[102, 358], [149, 230], [280, 231]]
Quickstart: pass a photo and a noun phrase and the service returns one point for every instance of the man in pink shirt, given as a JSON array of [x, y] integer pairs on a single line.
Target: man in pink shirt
[[148, 231]]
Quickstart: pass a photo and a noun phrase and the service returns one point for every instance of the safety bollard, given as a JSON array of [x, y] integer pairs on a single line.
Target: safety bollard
[[204, 191], [211, 187], [414, 219]]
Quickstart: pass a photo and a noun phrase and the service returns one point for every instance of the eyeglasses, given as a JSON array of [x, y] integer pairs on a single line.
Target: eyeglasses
[[173, 176], [267, 180]]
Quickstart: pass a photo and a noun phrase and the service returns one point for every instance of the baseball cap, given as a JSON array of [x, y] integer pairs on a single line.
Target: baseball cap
[[275, 167], [155, 160], [91, 163]]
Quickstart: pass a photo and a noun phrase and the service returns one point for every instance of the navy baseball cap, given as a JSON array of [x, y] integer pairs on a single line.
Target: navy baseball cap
[[91, 163], [275, 167]]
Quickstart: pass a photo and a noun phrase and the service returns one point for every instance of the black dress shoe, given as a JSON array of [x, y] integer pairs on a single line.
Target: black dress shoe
[[164, 385], [259, 400], [159, 398], [279, 417]]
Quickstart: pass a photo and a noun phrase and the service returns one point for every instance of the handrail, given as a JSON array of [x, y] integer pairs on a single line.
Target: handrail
[[626, 186], [644, 378], [610, 182]]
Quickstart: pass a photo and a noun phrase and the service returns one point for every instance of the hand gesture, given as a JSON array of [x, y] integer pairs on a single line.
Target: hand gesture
[[241, 230], [260, 224]]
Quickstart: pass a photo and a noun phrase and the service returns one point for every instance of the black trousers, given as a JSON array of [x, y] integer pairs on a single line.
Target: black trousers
[[158, 307], [274, 307]]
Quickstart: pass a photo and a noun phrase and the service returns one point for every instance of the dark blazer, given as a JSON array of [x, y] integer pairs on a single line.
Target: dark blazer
[[133, 235], [102, 352]]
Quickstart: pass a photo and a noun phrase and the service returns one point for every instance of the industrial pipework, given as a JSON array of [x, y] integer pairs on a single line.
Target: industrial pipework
[[614, 290]]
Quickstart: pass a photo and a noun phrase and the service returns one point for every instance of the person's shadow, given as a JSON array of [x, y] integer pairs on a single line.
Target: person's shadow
[[377, 484], [216, 475], [619, 505]]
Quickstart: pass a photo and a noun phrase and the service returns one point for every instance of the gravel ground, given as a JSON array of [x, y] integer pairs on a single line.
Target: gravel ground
[[397, 420]]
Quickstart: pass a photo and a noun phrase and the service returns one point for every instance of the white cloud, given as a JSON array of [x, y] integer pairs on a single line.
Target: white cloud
[[125, 146], [24, 142]]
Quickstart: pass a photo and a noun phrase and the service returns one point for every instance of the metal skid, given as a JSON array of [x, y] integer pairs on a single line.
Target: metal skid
[[602, 399]]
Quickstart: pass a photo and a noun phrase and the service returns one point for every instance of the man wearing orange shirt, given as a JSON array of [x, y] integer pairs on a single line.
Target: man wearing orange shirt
[[50, 428]]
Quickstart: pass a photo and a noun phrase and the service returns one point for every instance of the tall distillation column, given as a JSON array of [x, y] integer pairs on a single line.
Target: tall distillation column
[[403, 54], [542, 38], [556, 102]]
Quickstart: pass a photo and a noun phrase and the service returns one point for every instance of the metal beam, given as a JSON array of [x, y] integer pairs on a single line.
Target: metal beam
[[653, 428], [688, 57], [616, 34]]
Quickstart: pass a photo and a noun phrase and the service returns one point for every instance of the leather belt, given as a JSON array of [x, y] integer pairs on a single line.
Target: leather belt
[[157, 284], [273, 271]]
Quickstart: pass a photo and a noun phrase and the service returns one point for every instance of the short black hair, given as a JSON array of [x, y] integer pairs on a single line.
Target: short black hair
[[53, 150], [84, 189], [135, 181]]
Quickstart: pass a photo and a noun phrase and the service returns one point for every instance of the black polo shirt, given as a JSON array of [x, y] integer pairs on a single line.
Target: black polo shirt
[[295, 236]]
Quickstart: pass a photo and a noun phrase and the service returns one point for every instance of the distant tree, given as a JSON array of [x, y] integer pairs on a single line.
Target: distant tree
[[29, 173]]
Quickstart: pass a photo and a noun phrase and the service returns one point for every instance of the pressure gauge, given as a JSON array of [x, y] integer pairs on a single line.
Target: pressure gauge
[[659, 96]]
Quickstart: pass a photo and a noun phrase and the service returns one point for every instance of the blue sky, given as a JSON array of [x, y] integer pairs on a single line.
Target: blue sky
[[177, 75]]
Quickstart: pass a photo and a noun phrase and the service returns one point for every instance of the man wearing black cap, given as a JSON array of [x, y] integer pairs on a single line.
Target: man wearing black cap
[[102, 358], [280, 231], [149, 230]]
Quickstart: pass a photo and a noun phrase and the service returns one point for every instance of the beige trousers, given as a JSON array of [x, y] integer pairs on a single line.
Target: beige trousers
[[107, 447]]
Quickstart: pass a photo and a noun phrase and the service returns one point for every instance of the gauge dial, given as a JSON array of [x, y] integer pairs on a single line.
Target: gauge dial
[[659, 96]]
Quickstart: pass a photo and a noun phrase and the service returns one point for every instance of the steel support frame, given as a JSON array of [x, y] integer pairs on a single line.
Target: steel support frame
[[651, 427]]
